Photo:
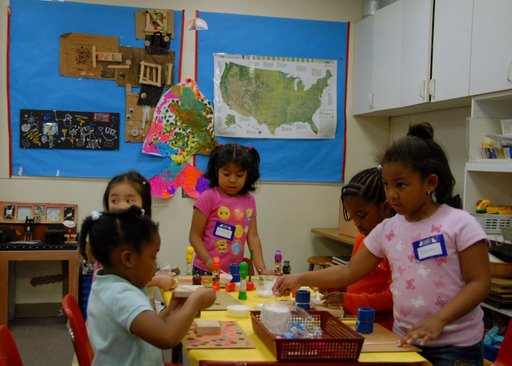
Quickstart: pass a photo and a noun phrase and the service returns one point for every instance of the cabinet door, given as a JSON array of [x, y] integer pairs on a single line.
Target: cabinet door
[[491, 50], [451, 49], [387, 56], [416, 41], [363, 95]]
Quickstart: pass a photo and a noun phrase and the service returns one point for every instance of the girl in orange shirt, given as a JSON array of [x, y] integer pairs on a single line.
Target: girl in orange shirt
[[364, 202]]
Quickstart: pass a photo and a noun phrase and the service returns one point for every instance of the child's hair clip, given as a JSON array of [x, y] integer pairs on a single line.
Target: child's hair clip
[[249, 147], [142, 212], [220, 145], [95, 215]]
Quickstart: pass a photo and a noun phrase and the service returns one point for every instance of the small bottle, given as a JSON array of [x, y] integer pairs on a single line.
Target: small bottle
[[188, 259], [278, 258], [242, 293], [286, 267], [234, 270], [216, 273]]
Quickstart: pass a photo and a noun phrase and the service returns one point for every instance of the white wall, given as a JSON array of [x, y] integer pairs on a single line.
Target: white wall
[[286, 211]]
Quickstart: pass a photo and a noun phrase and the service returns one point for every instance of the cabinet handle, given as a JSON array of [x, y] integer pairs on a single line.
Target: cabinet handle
[[423, 89], [509, 74], [370, 99], [432, 87]]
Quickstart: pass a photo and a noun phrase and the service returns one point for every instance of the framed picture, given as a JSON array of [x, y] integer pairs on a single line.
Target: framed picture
[[53, 214], [24, 212], [38, 210], [69, 213], [9, 212]]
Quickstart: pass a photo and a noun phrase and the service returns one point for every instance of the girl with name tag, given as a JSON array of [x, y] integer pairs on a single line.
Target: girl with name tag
[[224, 216], [438, 255]]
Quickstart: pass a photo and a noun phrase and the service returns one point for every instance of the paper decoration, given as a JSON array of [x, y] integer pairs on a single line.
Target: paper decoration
[[196, 24], [182, 126]]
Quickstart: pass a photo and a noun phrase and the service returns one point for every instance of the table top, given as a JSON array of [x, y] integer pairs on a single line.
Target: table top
[[333, 233], [262, 353]]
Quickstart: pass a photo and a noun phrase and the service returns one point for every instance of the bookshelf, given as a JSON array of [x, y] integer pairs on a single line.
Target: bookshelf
[[332, 233]]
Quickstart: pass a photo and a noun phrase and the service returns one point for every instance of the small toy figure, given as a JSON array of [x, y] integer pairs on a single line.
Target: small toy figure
[[196, 279]]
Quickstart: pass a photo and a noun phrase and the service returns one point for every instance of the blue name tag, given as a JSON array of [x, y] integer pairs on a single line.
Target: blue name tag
[[430, 247], [224, 231]]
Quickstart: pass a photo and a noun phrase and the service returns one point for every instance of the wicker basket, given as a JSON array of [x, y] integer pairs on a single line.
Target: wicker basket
[[492, 223], [337, 343]]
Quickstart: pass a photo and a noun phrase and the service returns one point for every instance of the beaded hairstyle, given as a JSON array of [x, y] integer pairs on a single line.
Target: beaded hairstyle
[[367, 185]]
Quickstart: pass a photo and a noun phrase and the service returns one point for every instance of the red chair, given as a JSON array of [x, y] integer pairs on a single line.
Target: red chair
[[78, 331], [9, 354], [504, 357]]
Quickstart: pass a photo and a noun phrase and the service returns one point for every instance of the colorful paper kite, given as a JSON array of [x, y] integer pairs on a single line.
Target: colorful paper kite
[[182, 126], [197, 24]]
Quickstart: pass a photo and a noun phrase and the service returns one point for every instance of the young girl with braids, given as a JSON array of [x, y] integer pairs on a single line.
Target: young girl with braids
[[364, 202], [123, 327], [438, 255], [224, 216]]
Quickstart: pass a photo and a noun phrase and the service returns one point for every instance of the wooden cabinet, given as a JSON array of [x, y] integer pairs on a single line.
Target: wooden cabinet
[[491, 50], [451, 49]]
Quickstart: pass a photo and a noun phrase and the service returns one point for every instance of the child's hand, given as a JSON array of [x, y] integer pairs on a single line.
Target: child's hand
[[422, 333], [267, 272], [164, 280], [333, 299], [285, 284], [205, 297]]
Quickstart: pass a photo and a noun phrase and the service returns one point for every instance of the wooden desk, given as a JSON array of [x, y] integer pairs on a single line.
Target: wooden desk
[[70, 262], [332, 233]]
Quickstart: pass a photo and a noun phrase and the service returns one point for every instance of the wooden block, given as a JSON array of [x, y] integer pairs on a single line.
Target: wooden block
[[185, 290], [207, 327]]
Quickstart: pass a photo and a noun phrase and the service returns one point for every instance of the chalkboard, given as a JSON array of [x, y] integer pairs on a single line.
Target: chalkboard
[[46, 129]]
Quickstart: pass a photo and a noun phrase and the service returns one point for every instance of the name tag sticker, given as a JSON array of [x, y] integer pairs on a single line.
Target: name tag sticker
[[224, 231], [431, 247]]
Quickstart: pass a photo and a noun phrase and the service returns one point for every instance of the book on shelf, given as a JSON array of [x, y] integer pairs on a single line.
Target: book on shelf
[[340, 259]]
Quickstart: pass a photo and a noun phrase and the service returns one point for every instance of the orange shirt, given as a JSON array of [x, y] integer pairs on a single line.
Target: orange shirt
[[373, 290]]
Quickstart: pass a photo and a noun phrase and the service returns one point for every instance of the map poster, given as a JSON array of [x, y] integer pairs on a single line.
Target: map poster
[[274, 97]]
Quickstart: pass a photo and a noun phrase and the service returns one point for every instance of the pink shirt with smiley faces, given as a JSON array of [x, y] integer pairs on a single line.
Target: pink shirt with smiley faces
[[228, 220]]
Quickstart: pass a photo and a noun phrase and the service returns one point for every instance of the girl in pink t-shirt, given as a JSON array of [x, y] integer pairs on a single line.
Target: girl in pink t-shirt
[[438, 255], [224, 216]]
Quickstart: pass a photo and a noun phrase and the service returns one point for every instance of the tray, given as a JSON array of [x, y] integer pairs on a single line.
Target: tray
[[337, 343]]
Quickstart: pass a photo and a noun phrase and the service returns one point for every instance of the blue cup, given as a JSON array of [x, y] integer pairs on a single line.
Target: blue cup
[[234, 270], [302, 299], [365, 320]]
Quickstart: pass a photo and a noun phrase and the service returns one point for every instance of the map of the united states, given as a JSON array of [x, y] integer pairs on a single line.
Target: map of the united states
[[273, 98]]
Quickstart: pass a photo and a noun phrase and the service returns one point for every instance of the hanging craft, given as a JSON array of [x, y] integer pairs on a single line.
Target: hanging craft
[[182, 126]]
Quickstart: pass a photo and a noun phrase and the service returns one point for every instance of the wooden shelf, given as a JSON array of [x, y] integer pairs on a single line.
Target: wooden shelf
[[332, 233]]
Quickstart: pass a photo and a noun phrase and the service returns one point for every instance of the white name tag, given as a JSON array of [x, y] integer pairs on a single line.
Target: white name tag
[[224, 231], [431, 247]]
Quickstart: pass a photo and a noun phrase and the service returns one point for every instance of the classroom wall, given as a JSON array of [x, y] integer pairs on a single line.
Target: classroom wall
[[287, 211]]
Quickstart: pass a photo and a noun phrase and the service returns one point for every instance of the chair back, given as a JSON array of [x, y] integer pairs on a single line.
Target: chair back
[[78, 331], [9, 354], [504, 357]]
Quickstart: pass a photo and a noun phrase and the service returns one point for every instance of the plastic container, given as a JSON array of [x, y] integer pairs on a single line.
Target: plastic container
[[492, 223], [216, 273], [238, 311]]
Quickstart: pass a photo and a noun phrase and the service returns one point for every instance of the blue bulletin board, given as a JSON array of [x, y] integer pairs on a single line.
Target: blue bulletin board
[[303, 160], [36, 84]]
